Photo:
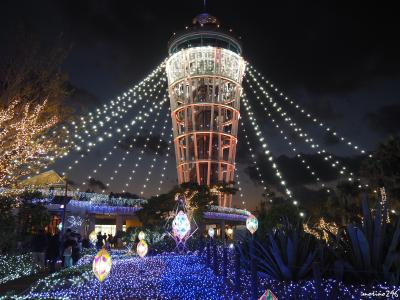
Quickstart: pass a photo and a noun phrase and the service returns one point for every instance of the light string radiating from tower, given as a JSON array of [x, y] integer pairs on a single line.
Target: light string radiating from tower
[[164, 167], [309, 140], [152, 125], [314, 119], [139, 156], [139, 118], [291, 144], [156, 154], [143, 92], [71, 139], [118, 132], [258, 133], [113, 107]]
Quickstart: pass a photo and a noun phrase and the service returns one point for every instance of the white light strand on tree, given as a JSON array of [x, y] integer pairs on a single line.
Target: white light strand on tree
[[141, 115], [266, 151], [167, 155], [115, 171], [319, 123], [118, 132], [154, 160]]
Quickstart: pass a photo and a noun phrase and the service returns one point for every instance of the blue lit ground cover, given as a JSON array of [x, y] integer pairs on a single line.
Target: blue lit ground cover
[[307, 289], [157, 277]]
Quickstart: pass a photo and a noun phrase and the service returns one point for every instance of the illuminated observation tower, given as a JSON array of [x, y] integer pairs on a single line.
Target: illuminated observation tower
[[205, 71]]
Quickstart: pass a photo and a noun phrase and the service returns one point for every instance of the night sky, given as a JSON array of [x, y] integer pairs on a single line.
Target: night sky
[[339, 59]]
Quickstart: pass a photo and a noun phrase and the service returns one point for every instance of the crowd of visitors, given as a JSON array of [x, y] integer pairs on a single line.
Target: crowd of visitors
[[106, 241], [48, 249]]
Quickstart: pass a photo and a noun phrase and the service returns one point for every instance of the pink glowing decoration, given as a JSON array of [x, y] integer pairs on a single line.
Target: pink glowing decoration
[[102, 264], [181, 225]]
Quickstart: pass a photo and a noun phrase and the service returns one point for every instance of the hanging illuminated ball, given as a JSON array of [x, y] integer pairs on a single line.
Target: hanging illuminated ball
[[141, 235], [229, 231], [102, 264], [93, 237], [252, 224], [142, 248], [211, 232], [180, 225]]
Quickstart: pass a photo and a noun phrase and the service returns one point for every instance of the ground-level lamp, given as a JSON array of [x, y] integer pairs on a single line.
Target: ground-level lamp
[[252, 226], [211, 232], [142, 248], [102, 266], [141, 235]]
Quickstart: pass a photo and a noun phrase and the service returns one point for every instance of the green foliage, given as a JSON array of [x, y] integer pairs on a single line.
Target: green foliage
[[368, 251], [273, 214], [32, 217], [384, 168], [287, 253], [199, 197], [157, 208]]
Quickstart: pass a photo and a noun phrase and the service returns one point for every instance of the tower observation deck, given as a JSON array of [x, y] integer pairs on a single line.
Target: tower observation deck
[[205, 70]]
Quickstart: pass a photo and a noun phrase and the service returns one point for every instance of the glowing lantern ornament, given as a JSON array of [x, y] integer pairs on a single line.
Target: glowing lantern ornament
[[211, 232], [268, 295], [142, 248], [141, 235], [102, 264], [252, 224], [181, 225], [93, 237]]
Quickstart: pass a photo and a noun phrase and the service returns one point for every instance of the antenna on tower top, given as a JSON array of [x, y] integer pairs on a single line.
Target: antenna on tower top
[[205, 5]]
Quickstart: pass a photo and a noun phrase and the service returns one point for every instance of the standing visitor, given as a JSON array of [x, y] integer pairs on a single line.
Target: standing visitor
[[53, 251], [39, 244]]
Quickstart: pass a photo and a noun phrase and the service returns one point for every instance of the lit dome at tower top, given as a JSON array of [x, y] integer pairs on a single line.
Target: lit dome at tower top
[[205, 30], [205, 19]]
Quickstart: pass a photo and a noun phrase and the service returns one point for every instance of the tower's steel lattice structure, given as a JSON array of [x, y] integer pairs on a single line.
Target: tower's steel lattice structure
[[205, 71]]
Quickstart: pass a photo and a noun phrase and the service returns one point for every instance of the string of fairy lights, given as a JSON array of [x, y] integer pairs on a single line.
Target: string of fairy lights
[[157, 113], [142, 92], [164, 166], [240, 189], [252, 71], [141, 116], [292, 147], [267, 152], [145, 86], [154, 160], [301, 133], [117, 131], [309, 140]]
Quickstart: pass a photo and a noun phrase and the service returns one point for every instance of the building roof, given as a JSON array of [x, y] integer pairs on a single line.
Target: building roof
[[44, 180]]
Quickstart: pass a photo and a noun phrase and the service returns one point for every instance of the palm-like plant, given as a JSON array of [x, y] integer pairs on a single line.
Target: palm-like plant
[[368, 251], [287, 253]]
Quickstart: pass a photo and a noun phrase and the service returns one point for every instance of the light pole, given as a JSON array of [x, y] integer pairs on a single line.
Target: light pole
[[252, 226]]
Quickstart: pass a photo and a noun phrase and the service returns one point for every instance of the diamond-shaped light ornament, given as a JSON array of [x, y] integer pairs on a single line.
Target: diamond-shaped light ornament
[[180, 225], [142, 248], [252, 224], [211, 232], [102, 264]]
